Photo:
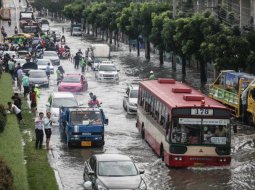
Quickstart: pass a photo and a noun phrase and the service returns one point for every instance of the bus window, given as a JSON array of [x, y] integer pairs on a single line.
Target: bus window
[[219, 135], [179, 133]]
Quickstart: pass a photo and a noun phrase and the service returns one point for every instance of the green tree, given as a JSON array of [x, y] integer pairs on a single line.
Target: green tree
[[145, 16], [129, 22], [156, 36]]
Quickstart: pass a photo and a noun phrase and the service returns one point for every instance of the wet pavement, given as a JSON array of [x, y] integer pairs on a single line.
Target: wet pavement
[[121, 135]]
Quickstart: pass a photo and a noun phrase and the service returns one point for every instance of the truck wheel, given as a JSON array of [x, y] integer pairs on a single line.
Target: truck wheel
[[68, 144]]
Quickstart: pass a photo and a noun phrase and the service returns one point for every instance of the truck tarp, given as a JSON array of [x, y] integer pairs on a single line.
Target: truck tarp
[[101, 50]]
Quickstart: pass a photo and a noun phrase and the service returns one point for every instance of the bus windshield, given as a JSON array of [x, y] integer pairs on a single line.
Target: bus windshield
[[197, 131]]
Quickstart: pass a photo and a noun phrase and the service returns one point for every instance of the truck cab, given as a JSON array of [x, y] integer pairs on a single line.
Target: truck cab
[[236, 90], [107, 72], [83, 126], [250, 115]]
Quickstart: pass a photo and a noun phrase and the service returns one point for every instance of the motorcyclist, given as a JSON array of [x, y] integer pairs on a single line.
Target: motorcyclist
[[60, 71], [94, 102], [152, 76], [2, 29], [16, 30]]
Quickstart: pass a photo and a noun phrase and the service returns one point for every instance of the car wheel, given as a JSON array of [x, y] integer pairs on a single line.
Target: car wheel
[[124, 106]]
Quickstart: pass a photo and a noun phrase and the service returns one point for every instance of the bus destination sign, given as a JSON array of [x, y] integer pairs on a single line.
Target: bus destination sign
[[201, 111]]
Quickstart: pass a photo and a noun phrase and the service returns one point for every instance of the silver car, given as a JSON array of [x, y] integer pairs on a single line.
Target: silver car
[[112, 171], [38, 77], [42, 65], [52, 56]]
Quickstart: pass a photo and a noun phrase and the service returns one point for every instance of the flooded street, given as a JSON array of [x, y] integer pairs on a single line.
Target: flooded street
[[121, 135]]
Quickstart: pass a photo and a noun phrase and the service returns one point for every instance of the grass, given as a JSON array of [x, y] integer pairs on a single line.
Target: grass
[[40, 174], [10, 140], [36, 173]]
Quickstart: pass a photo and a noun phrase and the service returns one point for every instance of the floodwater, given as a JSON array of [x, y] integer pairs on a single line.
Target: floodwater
[[121, 135]]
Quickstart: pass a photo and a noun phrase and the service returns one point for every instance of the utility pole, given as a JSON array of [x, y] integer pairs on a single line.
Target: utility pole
[[173, 54]]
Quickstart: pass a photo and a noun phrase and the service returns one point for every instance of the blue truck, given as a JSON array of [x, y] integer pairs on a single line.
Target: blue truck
[[83, 126]]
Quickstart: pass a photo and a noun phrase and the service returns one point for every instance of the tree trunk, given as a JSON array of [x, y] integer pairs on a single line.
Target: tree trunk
[[96, 30], [115, 38], [88, 28], [107, 35], [138, 47], [203, 72], [147, 50], [183, 65], [110, 37], [173, 61], [161, 57]]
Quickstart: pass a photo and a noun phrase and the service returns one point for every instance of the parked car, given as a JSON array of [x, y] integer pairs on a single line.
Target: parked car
[[73, 83], [38, 77], [107, 72], [52, 56], [42, 64], [112, 171], [57, 100], [131, 98]]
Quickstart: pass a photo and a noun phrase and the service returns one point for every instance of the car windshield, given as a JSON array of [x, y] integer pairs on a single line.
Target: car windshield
[[37, 74], [66, 102], [71, 79], [134, 94], [195, 131], [86, 117], [42, 62], [117, 168], [76, 29], [50, 53], [107, 68]]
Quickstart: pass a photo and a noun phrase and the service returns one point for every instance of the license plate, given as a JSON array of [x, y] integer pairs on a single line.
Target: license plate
[[86, 133], [199, 164], [85, 143]]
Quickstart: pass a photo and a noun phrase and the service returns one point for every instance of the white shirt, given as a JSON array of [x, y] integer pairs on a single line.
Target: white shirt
[[15, 109], [39, 123], [47, 123], [20, 73]]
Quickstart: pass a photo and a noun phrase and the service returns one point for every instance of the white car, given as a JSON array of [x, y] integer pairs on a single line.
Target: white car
[[52, 56], [77, 31], [130, 99], [107, 72], [42, 64], [58, 99], [45, 27]]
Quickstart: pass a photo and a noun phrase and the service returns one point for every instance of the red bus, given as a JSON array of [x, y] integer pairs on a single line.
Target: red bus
[[182, 125]]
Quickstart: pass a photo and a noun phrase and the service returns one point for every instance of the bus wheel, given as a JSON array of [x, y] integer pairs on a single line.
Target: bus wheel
[[142, 133], [162, 152]]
